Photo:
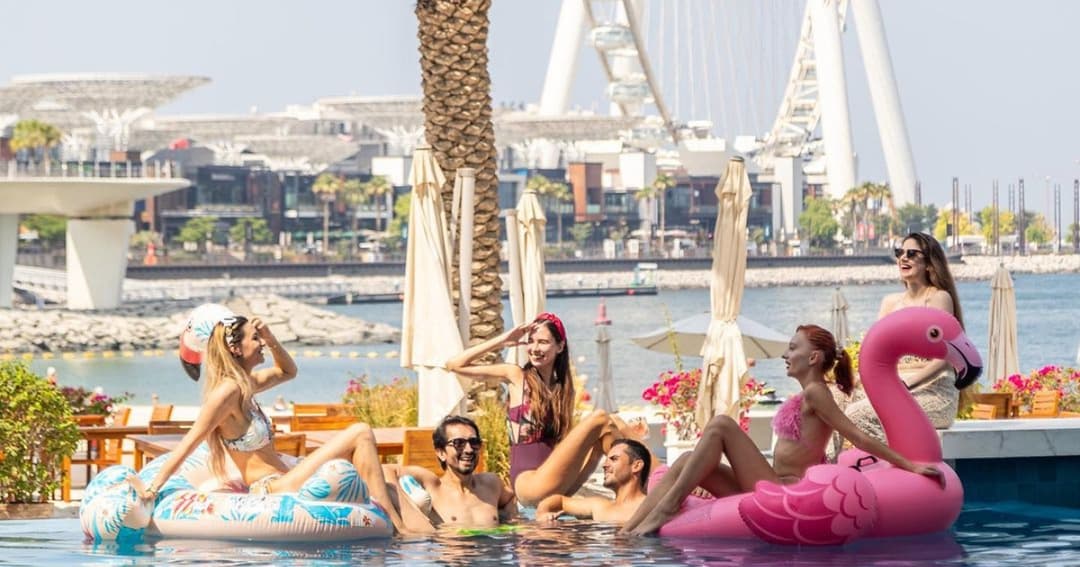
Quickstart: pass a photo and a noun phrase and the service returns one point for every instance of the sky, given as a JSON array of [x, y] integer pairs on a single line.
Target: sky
[[986, 86]]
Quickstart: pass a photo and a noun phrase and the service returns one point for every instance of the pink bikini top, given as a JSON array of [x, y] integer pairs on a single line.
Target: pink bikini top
[[787, 423]]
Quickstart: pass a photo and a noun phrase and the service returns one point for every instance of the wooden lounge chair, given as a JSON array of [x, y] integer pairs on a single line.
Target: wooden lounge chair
[[161, 412], [294, 444], [1003, 401], [984, 411], [168, 427], [322, 409], [320, 422], [1044, 404]]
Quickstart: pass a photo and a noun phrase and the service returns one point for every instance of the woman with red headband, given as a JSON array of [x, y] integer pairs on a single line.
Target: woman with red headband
[[548, 454]]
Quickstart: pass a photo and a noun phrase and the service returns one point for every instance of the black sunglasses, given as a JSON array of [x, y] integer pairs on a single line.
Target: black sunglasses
[[459, 443], [910, 253]]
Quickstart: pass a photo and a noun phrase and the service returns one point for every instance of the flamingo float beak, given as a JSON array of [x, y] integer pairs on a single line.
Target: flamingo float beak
[[965, 359]]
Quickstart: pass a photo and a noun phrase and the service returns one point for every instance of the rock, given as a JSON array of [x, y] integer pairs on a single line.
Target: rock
[[141, 327]]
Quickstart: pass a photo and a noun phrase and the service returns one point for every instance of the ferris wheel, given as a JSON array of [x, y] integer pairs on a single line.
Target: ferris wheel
[[696, 68]]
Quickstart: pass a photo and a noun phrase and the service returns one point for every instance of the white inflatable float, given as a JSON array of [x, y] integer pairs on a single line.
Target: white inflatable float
[[332, 505]]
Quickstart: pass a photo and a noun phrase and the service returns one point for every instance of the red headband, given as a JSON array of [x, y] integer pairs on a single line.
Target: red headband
[[551, 318]]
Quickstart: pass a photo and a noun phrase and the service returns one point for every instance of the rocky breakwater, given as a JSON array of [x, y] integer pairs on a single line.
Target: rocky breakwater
[[157, 326]]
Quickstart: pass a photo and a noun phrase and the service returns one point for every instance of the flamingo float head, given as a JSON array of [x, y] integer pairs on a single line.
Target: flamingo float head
[[919, 331], [923, 332]]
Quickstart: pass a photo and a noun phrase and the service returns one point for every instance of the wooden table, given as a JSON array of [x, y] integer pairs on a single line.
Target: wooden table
[[95, 435], [388, 441]]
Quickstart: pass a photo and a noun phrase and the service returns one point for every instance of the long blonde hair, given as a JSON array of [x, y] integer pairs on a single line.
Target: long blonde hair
[[222, 367]]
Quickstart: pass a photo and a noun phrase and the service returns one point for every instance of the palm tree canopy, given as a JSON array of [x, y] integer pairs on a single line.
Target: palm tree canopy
[[353, 192], [34, 134], [663, 182], [328, 185], [378, 186]]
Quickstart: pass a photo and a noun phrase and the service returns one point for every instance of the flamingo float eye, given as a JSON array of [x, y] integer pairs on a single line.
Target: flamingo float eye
[[933, 334]]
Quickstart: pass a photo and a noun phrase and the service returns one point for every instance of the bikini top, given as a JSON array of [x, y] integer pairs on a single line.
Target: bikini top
[[258, 435], [787, 423], [528, 430]]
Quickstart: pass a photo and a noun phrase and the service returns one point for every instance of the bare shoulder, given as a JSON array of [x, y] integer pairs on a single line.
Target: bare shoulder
[[817, 393], [941, 299], [223, 393], [889, 302], [490, 480]]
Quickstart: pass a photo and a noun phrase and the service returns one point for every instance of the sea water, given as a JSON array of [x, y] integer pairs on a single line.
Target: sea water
[[1002, 534], [1046, 320]]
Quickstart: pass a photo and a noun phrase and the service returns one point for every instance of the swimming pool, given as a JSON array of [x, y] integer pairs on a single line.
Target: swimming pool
[[997, 534]]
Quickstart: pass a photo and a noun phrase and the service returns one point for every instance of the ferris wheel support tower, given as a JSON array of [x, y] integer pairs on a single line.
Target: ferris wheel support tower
[[870, 30]]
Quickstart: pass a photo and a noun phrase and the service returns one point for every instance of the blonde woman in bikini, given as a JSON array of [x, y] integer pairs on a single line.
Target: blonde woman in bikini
[[928, 282], [234, 426], [803, 426]]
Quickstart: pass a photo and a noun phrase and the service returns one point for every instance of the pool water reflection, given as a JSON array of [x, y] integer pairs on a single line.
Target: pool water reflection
[[998, 534]]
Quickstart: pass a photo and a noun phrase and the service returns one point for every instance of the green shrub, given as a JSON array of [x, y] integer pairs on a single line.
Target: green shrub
[[396, 404], [490, 416], [36, 433]]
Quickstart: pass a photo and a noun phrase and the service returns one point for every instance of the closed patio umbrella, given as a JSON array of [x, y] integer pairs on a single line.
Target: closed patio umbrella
[[531, 227], [839, 317], [724, 366], [1004, 358], [605, 391], [429, 330]]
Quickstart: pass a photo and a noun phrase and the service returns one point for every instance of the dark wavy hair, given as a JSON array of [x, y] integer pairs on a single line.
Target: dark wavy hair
[[833, 358], [937, 269]]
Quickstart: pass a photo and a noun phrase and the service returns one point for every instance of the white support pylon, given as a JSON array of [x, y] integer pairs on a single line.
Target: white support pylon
[[562, 64], [886, 99], [832, 97]]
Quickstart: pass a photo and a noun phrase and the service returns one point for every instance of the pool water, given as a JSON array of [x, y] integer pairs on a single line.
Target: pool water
[[997, 534]]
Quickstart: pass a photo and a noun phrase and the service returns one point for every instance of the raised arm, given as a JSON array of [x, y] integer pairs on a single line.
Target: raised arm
[[821, 402], [284, 368], [499, 373], [550, 508], [212, 413]]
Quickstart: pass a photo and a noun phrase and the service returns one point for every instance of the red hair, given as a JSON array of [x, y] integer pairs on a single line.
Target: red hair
[[834, 358]]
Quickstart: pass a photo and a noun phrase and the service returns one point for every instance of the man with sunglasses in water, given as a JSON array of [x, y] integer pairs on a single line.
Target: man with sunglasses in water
[[460, 496], [626, 472]]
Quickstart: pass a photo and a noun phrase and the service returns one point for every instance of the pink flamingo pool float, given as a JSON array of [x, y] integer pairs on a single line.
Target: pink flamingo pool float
[[859, 496]]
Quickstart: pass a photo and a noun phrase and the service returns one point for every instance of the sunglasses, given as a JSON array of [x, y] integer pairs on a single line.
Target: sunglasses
[[910, 253], [459, 443]]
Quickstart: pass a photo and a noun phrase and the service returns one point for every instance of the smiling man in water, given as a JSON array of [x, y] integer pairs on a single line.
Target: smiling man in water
[[460, 496], [626, 471]]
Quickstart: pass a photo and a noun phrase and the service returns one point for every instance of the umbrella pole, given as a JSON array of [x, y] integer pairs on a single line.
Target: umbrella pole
[[468, 186], [513, 255]]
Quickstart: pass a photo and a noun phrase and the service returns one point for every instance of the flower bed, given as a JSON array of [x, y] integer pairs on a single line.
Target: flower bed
[[676, 392], [1065, 381], [92, 402]]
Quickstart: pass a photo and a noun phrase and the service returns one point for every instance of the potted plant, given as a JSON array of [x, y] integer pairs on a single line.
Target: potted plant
[[395, 404], [675, 392], [1065, 381], [36, 434], [92, 402]]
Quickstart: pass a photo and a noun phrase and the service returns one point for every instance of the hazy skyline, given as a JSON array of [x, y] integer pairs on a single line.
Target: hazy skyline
[[985, 86]]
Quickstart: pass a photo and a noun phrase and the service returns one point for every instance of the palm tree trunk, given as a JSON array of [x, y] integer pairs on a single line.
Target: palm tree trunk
[[378, 213], [457, 123], [325, 228], [558, 221], [663, 249], [355, 237]]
